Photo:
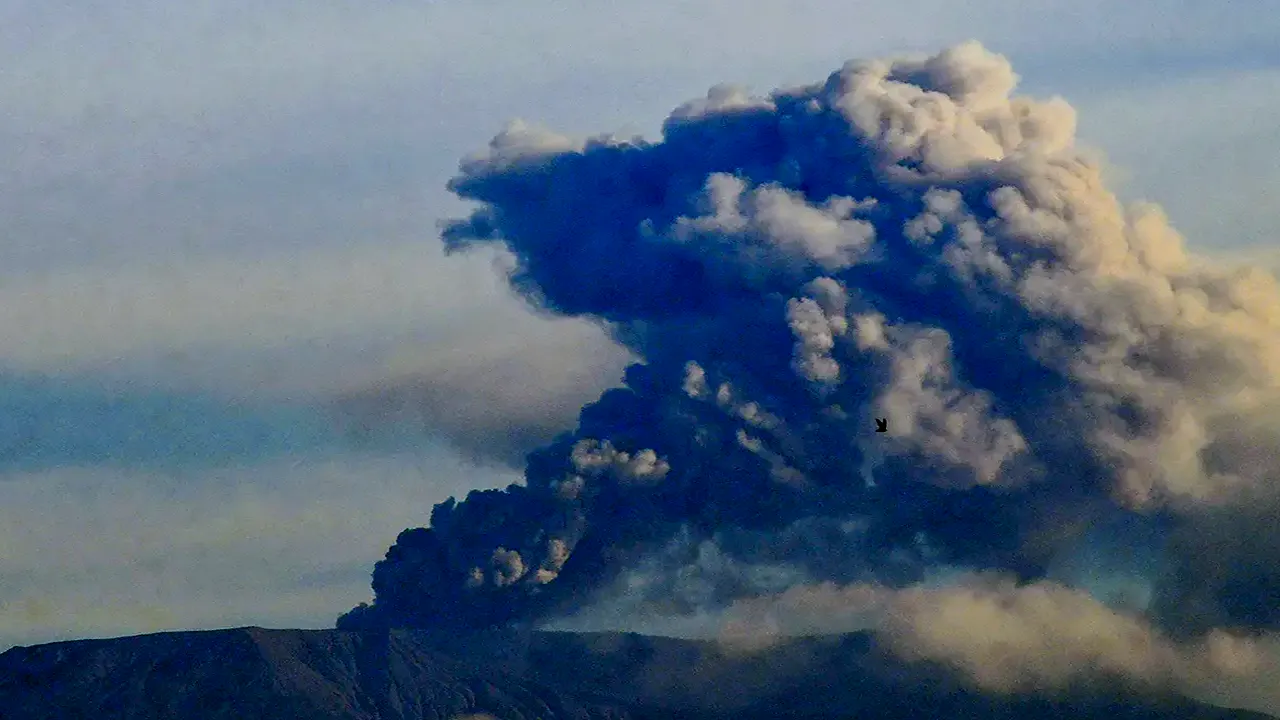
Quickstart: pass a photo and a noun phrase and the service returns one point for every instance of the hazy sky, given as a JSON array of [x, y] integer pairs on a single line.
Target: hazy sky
[[216, 218]]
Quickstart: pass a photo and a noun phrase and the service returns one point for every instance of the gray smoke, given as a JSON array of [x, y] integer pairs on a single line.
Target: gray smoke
[[904, 240], [1005, 637]]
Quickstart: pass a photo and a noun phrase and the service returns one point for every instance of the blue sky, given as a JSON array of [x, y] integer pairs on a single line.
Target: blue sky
[[217, 219]]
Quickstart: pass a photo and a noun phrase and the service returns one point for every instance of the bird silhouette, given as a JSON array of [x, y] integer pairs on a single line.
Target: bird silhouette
[[882, 424]]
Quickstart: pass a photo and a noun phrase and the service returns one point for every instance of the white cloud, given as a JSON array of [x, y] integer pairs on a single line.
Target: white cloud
[[1003, 637], [411, 341]]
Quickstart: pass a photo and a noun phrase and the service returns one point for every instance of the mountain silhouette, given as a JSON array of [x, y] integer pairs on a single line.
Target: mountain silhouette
[[510, 675]]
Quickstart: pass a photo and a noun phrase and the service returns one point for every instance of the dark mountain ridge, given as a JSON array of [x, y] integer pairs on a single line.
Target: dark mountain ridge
[[511, 675]]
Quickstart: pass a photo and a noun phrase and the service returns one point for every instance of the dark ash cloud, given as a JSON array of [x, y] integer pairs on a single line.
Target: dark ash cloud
[[906, 239]]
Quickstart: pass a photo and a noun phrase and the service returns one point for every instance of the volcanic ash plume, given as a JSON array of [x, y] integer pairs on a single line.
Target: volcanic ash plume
[[905, 240]]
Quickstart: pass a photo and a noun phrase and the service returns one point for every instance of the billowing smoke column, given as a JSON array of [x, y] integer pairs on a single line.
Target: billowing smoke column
[[906, 240]]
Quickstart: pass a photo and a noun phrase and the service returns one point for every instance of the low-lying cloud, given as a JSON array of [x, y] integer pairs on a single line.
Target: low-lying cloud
[[1007, 637], [381, 336]]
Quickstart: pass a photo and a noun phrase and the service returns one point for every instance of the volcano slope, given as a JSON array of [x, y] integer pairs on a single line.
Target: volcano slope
[[509, 675]]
